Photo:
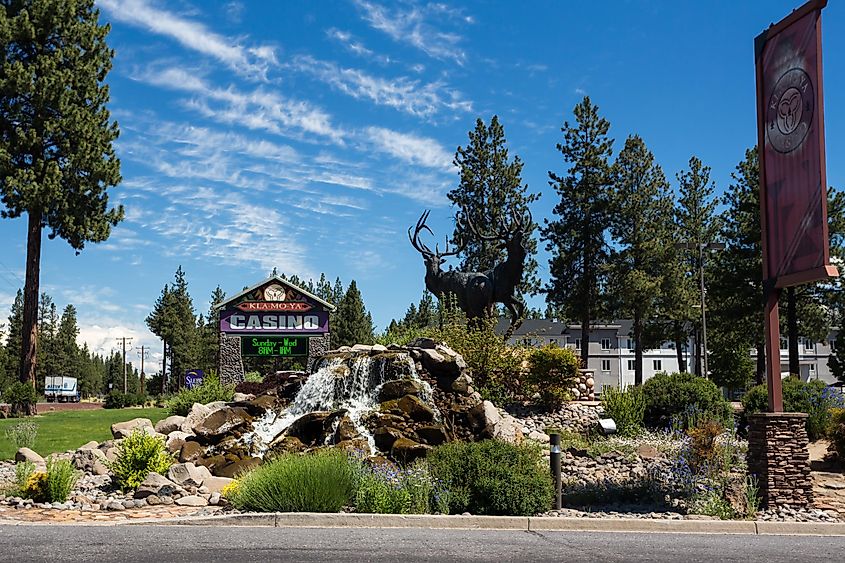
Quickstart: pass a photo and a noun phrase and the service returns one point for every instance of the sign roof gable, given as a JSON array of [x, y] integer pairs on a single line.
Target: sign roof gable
[[239, 297]]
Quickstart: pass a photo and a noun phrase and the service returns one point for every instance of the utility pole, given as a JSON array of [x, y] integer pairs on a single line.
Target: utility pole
[[701, 248], [142, 351], [122, 341]]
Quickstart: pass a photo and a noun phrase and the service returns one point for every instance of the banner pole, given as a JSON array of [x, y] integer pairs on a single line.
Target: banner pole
[[772, 328]]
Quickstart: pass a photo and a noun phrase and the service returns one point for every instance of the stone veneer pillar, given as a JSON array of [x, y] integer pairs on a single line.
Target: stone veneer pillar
[[317, 346], [230, 365], [778, 457]]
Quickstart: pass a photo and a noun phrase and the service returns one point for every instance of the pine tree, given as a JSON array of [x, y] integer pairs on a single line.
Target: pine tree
[[577, 239], [641, 214], [159, 325], [735, 292], [184, 346], [490, 189], [14, 337], [353, 324], [66, 349], [56, 154]]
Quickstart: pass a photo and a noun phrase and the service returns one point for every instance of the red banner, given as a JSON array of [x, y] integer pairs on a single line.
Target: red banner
[[790, 118]]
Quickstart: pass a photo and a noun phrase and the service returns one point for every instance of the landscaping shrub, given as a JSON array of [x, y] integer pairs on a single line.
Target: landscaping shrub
[[836, 431], [253, 377], [384, 488], [626, 408], [23, 471], [813, 397], [54, 485], [492, 477], [496, 366], [118, 400], [138, 455], [671, 395], [208, 391], [323, 481], [553, 371], [22, 434], [18, 395]]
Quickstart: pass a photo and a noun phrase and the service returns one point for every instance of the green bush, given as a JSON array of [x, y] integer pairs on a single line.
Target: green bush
[[626, 408], [836, 431], [669, 396], [53, 486], [323, 481], [553, 371], [813, 397], [22, 434], [138, 455], [18, 395], [492, 477], [387, 489], [253, 377], [495, 365], [209, 391]]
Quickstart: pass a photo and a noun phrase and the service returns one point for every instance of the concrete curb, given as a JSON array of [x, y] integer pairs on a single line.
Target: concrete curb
[[519, 523]]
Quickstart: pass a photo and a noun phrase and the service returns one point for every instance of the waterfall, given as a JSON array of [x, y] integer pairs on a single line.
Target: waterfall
[[350, 382]]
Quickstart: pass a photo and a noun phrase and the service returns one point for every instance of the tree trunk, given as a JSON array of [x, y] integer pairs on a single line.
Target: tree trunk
[[29, 344], [698, 366], [638, 350], [585, 341], [760, 376], [682, 365], [792, 332], [164, 367]]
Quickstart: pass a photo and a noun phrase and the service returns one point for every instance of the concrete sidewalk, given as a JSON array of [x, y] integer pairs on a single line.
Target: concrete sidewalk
[[318, 520]]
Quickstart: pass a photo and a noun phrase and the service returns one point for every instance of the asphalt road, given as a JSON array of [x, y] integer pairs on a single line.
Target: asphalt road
[[212, 544]]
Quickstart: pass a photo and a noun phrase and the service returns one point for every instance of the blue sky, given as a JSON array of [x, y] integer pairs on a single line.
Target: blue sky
[[309, 136]]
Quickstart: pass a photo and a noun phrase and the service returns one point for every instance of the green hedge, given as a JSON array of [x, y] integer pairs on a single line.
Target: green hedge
[[670, 398], [813, 397]]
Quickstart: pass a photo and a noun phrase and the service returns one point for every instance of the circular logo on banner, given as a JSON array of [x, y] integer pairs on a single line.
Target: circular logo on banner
[[790, 110], [274, 292]]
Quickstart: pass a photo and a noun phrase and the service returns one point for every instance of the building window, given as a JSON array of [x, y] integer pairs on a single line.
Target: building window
[[577, 343], [526, 342], [605, 343], [553, 341], [605, 365], [631, 365], [812, 368], [630, 344], [784, 345], [832, 345], [809, 344], [658, 365]]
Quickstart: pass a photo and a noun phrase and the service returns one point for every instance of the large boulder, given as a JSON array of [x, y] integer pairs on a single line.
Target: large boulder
[[26, 454], [216, 484], [158, 485], [169, 424], [483, 419], [312, 428], [345, 430], [432, 435], [406, 451], [414, 407], [222, 421], [384, 437], [197, 413], [186, 474], [236, 468], [191, 451], [508, 430], [91, 460], [399, 388], [438, 359], [176, 439], [124, 429]]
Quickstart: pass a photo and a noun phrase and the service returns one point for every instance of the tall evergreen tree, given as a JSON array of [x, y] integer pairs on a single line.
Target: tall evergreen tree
[[490, 188], [640, 229], [160, 325], [735, 302], [14, 337], [353, 324], [66, 349], [577, 238], [183, 348], [56, 154]]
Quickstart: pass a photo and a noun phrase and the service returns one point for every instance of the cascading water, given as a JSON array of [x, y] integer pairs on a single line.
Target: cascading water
[[351, 383]]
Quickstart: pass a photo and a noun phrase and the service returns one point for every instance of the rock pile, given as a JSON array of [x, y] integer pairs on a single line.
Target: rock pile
[[584, 388], [573, 417]]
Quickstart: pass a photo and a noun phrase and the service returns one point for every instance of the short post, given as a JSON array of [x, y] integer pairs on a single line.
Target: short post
[[554, 461]]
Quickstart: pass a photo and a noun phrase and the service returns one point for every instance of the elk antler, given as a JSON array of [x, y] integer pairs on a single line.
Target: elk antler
[[422, 248]]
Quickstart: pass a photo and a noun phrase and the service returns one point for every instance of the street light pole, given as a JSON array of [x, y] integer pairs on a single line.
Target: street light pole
[[701, 248]]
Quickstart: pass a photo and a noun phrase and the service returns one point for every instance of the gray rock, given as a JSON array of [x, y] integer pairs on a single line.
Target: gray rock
[[188, 474], [124, 429], [26, 454], [156, 484], [153, 500], [169, 424], [91, 460], [176, 439], [216, 484], [192, 500], [198, 412], [214, 499], [93, 444], [114, 505]]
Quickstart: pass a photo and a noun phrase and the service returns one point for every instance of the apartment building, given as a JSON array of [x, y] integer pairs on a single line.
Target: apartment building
[[611, 348]]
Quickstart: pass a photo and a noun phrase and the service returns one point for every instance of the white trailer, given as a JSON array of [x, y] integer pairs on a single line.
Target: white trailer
[[61, 389]]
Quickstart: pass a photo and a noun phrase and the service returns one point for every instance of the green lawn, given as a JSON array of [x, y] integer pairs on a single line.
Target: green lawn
[[67, 430]]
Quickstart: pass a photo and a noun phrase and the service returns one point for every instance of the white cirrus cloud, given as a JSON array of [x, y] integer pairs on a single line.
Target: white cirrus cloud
[[412, 25], [410, 148], [404, 94], [251, 61]]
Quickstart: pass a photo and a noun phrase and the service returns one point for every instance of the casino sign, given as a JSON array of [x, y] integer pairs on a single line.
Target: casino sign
[[273, 318]]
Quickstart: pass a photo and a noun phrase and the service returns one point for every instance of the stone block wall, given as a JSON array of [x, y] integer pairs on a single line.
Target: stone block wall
[[230, 364], [778, 456]]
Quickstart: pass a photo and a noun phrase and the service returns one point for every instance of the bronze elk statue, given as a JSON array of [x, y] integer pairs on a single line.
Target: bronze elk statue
[[477, 292]]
